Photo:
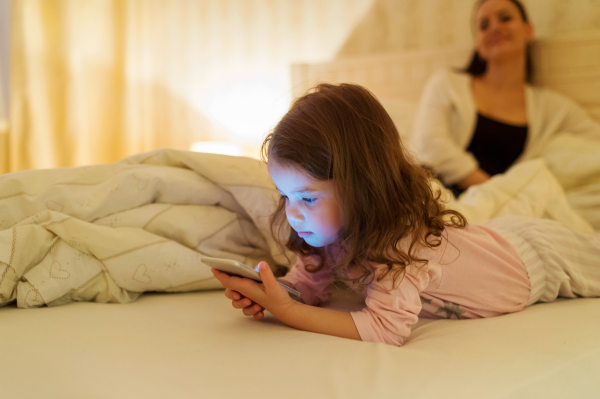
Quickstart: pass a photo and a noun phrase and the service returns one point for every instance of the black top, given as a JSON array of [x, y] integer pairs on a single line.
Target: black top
[[496, 145]]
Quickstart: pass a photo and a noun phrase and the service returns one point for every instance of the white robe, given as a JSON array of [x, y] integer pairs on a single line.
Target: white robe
[[446, 119]]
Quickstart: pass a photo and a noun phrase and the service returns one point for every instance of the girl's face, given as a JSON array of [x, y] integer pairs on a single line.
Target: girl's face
[[311, 205], [500, 30]]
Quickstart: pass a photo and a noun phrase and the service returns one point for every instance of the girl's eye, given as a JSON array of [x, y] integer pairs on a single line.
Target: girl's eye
[[283, 196], [505, 18], [309, 200], [483, 25]]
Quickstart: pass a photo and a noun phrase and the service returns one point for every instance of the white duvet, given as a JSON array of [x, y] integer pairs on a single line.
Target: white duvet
[[575, 162], [107, 233]]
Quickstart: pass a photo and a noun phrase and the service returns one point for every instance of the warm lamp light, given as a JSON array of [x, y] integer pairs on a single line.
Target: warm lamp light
[[249, 109], [217, 147]]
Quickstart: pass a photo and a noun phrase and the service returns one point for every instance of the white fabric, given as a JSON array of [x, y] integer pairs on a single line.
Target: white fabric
[[106, 233], [109, 232], [446, 121], [559, 261], [575, 161], [196, 345], [526, 189]]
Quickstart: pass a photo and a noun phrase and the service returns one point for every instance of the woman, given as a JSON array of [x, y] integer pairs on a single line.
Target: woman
[[478, 122]]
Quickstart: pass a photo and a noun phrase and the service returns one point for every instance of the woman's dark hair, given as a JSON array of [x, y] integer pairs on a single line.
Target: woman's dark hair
[[477, 66], [341, 133]]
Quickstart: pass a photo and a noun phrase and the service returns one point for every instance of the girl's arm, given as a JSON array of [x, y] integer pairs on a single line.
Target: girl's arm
[[253, 297]]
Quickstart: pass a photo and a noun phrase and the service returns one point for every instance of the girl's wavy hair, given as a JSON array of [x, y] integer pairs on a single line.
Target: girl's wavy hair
[[477, 65], [342, 133]]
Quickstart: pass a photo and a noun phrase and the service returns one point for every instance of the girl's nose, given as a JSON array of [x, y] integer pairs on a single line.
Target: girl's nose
[[293, 214]]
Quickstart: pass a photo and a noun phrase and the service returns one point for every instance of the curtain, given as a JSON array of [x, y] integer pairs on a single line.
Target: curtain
[[4, 70], [94, 81], [4, 159]]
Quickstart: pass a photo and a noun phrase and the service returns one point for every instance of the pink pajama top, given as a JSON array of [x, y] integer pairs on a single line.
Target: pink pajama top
[[474, 273]]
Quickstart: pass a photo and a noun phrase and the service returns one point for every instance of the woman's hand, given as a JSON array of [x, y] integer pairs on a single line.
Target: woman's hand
[[478, 176], [253, 297]]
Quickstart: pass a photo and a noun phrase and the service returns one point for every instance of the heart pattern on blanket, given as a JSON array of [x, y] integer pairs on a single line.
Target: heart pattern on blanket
[[33, 300], [55, 206], [140, 274], [74, 244], [142, 181], [56, 271], [172, 265]]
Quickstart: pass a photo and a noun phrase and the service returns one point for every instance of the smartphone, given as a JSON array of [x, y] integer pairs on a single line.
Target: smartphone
[[234, 267]]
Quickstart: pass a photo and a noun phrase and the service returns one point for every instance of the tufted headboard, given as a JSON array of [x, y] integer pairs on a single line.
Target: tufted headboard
[[570, 65]]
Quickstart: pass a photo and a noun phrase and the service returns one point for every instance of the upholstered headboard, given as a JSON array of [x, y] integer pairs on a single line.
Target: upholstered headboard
[[570, 65]]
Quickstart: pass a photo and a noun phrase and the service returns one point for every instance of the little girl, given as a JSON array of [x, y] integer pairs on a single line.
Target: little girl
[[362, 211]]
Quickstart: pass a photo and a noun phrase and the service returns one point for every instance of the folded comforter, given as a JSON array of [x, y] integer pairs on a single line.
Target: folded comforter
[[107, 233]]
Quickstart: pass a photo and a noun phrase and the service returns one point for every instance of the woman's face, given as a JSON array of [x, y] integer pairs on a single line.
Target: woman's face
[[500, 31]]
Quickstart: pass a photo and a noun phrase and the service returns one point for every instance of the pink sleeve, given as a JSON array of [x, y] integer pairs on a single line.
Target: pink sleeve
[[390, 314], [315, 288]]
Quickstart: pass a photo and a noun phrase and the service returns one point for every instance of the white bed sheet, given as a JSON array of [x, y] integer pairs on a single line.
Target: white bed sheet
[[195, 345]]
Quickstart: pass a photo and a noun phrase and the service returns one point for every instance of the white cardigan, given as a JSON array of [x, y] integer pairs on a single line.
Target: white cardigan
[[446, 119]]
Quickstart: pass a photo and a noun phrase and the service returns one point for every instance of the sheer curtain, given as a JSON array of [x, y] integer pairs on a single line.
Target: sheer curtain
[[4, 153], [94, 81], [4, 71]]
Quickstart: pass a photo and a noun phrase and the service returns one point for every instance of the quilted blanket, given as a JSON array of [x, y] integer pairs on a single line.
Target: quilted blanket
[[108, 233]]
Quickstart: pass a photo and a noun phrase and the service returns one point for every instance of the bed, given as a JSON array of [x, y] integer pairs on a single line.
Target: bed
[[79, 246]]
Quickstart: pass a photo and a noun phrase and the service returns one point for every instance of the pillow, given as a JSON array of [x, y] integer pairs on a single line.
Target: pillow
[[403, 114]]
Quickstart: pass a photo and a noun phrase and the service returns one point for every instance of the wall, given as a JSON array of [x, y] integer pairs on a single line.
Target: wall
[[398, 25], [230, 59]]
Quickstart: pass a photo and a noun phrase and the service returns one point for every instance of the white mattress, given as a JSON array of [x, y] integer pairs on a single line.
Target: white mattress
[[195, 345]]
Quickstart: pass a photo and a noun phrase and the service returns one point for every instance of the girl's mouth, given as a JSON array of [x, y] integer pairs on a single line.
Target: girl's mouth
[[304, 234]]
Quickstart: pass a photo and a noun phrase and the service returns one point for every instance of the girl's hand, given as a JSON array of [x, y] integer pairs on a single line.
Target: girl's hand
[[249, 308], [254, 297]]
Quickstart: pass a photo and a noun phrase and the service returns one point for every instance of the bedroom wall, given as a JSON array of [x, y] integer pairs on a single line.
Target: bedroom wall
[[398, 25]]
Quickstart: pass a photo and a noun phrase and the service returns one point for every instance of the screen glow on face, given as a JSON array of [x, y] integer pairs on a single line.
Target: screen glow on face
[[311, 206]]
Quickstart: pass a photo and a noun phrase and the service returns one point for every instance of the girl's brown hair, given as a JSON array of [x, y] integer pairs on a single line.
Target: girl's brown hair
[[342, 133]]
